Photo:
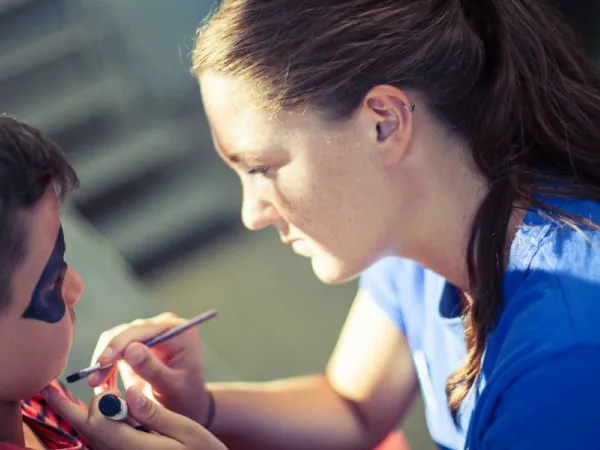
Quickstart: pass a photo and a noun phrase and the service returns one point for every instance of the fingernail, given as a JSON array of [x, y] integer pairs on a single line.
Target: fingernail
[[94, 379], [106, 356], [48, 392], [45, 393], [135, 355]]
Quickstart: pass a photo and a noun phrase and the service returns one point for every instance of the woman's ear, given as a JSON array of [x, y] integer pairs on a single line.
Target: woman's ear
[[390, 114], [388, 122]]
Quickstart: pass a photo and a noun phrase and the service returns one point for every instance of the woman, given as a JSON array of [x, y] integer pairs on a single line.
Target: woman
[[447, 152]]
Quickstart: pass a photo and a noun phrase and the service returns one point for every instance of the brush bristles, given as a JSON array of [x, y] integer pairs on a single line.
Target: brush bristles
[[73, 378]]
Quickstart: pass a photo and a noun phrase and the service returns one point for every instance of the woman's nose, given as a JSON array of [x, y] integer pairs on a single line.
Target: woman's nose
[[257, 213]]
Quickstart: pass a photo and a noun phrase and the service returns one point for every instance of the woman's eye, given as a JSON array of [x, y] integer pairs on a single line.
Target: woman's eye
[[261, 170]]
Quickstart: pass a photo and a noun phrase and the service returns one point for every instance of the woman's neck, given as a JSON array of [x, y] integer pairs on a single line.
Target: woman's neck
[[444, 190], [447, 241], [441, 190], [442, 227], [444, 236], [11, 423]]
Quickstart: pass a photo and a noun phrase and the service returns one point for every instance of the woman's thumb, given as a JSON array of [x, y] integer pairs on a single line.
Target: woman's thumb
[[157, 418]]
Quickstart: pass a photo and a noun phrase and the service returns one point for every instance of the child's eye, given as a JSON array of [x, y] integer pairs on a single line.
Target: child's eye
[[261, 170], [56, 284]]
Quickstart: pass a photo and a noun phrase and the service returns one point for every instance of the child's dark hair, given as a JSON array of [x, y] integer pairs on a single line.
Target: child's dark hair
[[29, 163]]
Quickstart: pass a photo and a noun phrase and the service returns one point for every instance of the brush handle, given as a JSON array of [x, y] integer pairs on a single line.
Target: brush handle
[[159, 339]]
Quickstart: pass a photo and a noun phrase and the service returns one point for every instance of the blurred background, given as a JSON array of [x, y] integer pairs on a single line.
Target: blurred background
[[155, 226]]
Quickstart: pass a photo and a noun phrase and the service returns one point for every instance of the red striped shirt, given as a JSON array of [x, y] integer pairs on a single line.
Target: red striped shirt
[[49, 427]]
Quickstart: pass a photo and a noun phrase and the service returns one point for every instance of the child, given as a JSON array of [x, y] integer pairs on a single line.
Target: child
[[38, 291], [37, 288]]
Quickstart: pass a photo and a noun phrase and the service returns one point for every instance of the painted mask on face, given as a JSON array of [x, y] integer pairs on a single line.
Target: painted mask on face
[[47, 302]]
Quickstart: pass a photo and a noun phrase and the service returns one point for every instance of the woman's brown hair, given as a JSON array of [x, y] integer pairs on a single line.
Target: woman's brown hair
[[507, 76]]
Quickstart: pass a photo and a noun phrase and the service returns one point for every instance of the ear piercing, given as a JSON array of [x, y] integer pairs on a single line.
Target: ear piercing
[[410, 108]]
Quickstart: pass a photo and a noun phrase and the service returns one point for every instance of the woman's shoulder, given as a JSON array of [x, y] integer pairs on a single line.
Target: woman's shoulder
[[553, 309], [569, 251], [390, 268], [398, 286], [564, 249], [552, 305], [399, 278], [546, 337], [551, 404]]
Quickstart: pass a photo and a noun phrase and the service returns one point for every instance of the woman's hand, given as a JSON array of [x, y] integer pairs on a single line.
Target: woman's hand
[[171, 431], [170, 373]]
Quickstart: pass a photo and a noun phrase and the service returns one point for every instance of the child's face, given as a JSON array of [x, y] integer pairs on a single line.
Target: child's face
[[36, 328]]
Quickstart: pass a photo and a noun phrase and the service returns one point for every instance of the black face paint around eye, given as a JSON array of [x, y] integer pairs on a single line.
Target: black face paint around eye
[[47, 302]]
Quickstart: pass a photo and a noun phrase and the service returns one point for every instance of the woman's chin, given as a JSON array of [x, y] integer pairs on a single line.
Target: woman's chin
[[331, 271]]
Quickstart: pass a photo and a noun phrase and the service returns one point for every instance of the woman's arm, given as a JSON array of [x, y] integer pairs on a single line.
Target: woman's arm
[[367, 388]]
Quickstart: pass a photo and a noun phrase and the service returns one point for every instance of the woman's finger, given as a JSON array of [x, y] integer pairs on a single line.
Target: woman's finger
[[156, 417], [108, 380], [106, 434], [169, 424], [103, 433], [131, 378], [72, 412], [104, 340], [140, 332], [112, 343], [105, 379], [148, 366]]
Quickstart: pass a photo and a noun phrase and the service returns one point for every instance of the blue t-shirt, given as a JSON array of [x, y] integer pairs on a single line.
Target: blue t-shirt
[[420, 302], [540, 383]]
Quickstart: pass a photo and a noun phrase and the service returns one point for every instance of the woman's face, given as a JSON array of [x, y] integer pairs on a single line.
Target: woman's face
[[325, 186]]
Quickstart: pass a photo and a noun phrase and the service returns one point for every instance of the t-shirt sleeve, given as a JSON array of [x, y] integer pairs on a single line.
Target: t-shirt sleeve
[[553, 406], [381, 282]]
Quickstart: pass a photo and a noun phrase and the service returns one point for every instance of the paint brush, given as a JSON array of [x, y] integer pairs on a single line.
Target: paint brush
[[158, 339]]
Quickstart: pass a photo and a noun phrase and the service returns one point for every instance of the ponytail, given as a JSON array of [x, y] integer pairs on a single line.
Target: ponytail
[[543, 95]]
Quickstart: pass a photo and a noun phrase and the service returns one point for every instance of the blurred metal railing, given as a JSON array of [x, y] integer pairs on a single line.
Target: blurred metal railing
[[149, 180]]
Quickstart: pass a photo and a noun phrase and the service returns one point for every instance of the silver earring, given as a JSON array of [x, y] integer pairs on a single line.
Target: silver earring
[[410, 108]]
